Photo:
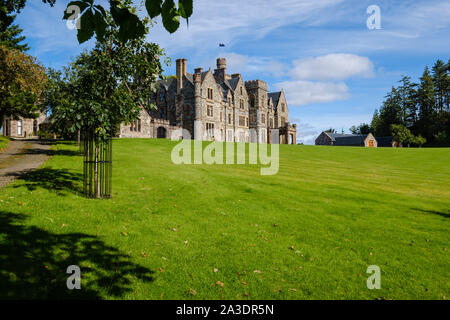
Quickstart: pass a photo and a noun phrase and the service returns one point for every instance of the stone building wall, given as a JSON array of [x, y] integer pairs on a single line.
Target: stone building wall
[[22, 127], [178, 99], [323, 140]]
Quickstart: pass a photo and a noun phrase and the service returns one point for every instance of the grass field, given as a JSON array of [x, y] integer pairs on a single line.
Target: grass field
[[226, 232], [3, 142]]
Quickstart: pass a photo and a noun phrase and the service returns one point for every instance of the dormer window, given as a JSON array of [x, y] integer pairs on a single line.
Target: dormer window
[[283, 107]]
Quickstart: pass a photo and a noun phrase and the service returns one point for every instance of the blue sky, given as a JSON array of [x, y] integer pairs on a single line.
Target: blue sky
[[334, 70]]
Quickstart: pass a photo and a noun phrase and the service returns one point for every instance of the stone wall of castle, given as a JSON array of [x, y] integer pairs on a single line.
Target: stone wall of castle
[[213, 106]]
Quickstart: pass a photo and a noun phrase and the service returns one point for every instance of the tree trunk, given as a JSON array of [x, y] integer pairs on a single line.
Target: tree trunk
[[78, 137], [96, 174]]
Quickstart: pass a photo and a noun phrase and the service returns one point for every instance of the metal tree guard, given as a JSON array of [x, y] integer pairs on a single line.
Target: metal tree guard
[[97, 169]]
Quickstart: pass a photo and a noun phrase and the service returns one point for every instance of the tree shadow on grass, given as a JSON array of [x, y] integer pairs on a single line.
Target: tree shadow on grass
[[439, 213], [34, 263], [56, 180]]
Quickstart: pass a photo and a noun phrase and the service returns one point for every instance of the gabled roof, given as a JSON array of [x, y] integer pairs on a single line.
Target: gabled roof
[[340, 139], [275, 97], [233, 82]]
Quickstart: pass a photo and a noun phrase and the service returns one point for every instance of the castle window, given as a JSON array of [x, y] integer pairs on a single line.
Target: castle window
[[210, 130], [139, 125], [210, 94], [229, 118], [283, 107], [209, 111], [19, 127], [161, 97], [246, 121], [241, 104], [263, 118], [242, 121], [252, 101], [242, 91], [187, 110]]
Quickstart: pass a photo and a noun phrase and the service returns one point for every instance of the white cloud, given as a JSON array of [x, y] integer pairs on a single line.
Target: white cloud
[[215, 22], [333, 66], [300, 92]]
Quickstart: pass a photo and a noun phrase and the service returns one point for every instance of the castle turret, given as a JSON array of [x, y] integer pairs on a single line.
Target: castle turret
[[257, 92]]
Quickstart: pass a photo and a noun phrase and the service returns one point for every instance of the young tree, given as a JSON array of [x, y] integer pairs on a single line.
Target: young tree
[[22, 84], [105, 87]]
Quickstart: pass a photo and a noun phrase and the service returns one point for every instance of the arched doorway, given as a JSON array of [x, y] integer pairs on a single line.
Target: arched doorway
[[162, 132]]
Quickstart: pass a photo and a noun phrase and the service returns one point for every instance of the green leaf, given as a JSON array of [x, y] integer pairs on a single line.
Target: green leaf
[[99, 24], [153, 7], [170, 16], [130, 26], [87, 27], [185, 8], [80, 4]]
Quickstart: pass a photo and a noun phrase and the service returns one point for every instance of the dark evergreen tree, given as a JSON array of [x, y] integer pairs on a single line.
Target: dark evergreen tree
[[10, 33], [426, 102], [408, 102]]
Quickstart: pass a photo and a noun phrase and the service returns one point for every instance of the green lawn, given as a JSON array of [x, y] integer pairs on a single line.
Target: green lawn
[[173, 231], [3, 142]]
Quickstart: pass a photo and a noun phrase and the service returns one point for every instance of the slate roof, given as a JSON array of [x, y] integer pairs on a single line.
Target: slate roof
[[233, 83], [385, 141], [347, 139], [275, 97]]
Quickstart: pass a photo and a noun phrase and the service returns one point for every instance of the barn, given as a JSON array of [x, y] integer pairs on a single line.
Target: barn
[[355, 140]]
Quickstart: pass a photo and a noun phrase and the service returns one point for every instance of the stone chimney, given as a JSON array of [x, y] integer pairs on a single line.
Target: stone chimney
[[221, 72], [181, 72]]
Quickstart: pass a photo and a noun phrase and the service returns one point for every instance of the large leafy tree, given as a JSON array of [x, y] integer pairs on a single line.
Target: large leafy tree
[[10, 33], [22, 84]]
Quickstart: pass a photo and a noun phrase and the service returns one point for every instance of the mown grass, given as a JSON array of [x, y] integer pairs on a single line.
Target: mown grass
[[173, 231], [4, 141]]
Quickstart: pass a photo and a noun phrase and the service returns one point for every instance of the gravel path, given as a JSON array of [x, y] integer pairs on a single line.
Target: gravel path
[[20, 157]]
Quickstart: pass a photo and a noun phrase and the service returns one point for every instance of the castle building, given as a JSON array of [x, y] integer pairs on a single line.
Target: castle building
[[214, 106]]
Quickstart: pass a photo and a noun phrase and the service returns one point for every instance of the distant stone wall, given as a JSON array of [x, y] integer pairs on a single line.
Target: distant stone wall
[[28, 128]]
